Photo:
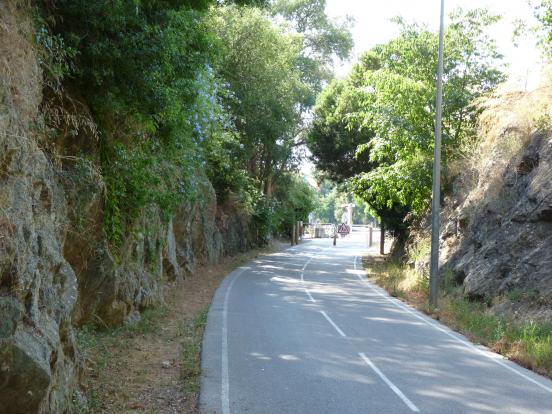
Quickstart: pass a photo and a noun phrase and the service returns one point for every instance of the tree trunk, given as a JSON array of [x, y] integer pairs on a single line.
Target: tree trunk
[[382, 239], [268, 186]]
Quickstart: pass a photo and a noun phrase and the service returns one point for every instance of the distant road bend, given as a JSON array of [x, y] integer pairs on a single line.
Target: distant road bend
[[301, 331]]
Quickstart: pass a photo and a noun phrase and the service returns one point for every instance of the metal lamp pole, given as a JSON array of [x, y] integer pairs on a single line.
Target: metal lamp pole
[[434, 270]]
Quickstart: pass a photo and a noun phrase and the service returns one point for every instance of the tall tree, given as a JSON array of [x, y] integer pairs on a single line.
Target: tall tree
[[390, 96], [258, 64], [274, 71], [324, 40], [332, 139]]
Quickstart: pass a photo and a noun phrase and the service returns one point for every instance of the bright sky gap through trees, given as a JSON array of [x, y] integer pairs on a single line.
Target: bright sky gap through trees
[[373, 25]]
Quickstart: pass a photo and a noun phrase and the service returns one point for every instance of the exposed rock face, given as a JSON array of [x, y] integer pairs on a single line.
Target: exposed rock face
[[204, 230], [56, 268], [153, 251], [198, 240], [496, 231], [234, 227], [38, 287], [504, 243], [496, 223]]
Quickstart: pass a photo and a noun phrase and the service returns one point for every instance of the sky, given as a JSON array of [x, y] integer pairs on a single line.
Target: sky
[[373, 26]]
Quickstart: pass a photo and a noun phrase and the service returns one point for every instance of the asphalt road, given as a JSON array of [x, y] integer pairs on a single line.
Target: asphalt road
[[302, 331]]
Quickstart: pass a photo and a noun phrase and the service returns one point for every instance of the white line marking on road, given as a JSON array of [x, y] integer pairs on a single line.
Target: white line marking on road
[[303, 280], [395, 389], [309, 295], [225, 383], [339, 331], [491, 355]]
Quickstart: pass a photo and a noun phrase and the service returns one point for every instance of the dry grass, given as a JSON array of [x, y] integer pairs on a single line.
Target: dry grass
[[20, 75], [397, 279], [510, 117], [527, 343], [507, 121]]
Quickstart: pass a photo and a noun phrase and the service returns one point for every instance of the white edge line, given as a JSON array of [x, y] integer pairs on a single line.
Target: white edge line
[[225, 383], [395, 389], [339, 331], [491, 355]]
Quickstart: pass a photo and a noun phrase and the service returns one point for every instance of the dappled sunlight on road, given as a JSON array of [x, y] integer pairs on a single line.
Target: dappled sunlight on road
[[310, 314]]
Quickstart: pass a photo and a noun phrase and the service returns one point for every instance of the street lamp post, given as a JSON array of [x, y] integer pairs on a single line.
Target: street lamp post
[[435, 202]]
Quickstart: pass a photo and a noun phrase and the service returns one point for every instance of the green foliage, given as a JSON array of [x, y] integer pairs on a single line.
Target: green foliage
[[259, 66], [263, 217], [222, 152], [543, 12], [530, 342], [326, 202], [323, 40], [295, 199], [140, 175], [179, 86], [395, 190], [55, 57], [382, 115], [273, 73], [332, 197], [292, 201], [363, 213], [138, 65], [332, 140]]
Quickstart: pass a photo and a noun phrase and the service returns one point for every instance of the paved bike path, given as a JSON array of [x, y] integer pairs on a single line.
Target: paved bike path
[[302, 331]]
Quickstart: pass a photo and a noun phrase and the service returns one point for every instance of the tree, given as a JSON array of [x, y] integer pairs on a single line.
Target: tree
[[389, 97], [294, 200], [543, 13], [330, 199], [323, 41], [331, 139], [145, 72], [273, 73], [258, 63], [326, 202]]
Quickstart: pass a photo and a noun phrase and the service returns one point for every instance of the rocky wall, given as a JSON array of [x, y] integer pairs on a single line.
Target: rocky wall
[[38, 287], [499, 245], [57, 270], [496, 231]]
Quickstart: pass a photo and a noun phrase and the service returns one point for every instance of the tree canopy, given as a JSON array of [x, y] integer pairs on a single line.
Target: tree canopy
[[259, 67], [323, 40], [178, 88], [382, 115]]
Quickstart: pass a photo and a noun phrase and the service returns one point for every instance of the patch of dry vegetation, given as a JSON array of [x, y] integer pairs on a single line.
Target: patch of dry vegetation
[[528, 343], [506, 123]]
